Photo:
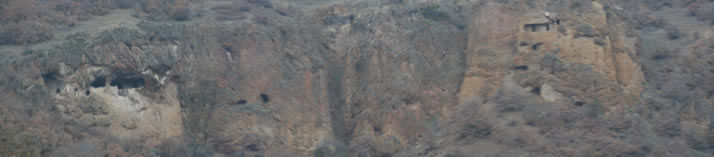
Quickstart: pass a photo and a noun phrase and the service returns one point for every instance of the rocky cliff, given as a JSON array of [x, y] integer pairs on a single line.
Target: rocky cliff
[[368, 78]]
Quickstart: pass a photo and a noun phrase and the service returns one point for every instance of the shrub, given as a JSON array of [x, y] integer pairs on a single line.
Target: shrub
[[82, 148], [161, 9], [359, 25], [25, 32], [180, 10], [585, 31], [152, 7], [477, 129], [599, 41], [596, 109], [661, 52], [264, 3], [576, 5], [18, 10], [701, 10], [321, 152], [673, 33], [181, 13], [643, 21], [124, 4], [432, 12]]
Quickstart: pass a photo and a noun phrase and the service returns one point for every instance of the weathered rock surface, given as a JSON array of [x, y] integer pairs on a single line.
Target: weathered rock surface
[[370, 78]]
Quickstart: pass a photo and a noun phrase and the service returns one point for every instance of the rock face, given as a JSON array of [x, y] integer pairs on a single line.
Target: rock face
[[369, 78]]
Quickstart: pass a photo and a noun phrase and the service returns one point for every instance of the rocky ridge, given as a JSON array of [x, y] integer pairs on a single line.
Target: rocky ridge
[[370, 78]]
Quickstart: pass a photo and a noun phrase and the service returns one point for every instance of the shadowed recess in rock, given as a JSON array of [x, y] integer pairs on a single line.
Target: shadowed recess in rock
[[241, 102], [99, 82], [264, 97], [535, 90], [122, 83]]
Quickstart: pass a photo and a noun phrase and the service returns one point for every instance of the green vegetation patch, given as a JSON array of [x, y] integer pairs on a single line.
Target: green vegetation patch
[[596, 109], [434, 13], [251, 108]]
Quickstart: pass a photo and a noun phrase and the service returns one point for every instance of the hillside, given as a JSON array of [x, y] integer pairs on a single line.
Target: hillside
[[324, 78]]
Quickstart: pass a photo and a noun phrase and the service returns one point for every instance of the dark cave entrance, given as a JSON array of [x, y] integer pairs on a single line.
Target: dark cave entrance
[[99, 82], [52, 81], [264, 97], [521, 67], [536, 46], [50, 76], [242, 102], [537, 27], [535, 90], [123, 83]]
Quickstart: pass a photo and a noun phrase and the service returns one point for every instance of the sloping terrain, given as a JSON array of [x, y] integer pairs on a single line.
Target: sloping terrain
[[362, 78]]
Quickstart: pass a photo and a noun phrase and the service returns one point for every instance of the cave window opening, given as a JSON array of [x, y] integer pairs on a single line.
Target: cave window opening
[[99, 82], [535, 90], [228, 48], [536, 46], [57, 91], [86, 92], [409, 100], [521, 67], [532, 27], [117, 84], [242, 102], [377, 129], [252, 147], [264, 97], [661, 57], [537, 27], [75, 89], [524, 44], [123, 83], [579, 103], [547, 27], [51, 76], [557, 21]]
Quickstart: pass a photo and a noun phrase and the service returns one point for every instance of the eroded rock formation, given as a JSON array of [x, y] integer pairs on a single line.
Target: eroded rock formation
[[369, 78]]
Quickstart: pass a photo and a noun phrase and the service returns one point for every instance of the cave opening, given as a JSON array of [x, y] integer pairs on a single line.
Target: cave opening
[[661, 57], [535, 90], [579, 103], [123, 83], [242, 102], [99, 82], [377, 129], [537, 27], [50, 76], [521, 67], [536, 46], [547, 27], [57, 91], [252, 147], [228, 48], [86, 92], [264, 97], [523, 44]]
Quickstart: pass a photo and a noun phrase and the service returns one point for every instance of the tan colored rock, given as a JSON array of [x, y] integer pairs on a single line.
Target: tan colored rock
[[549, 94], [137, 115]]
